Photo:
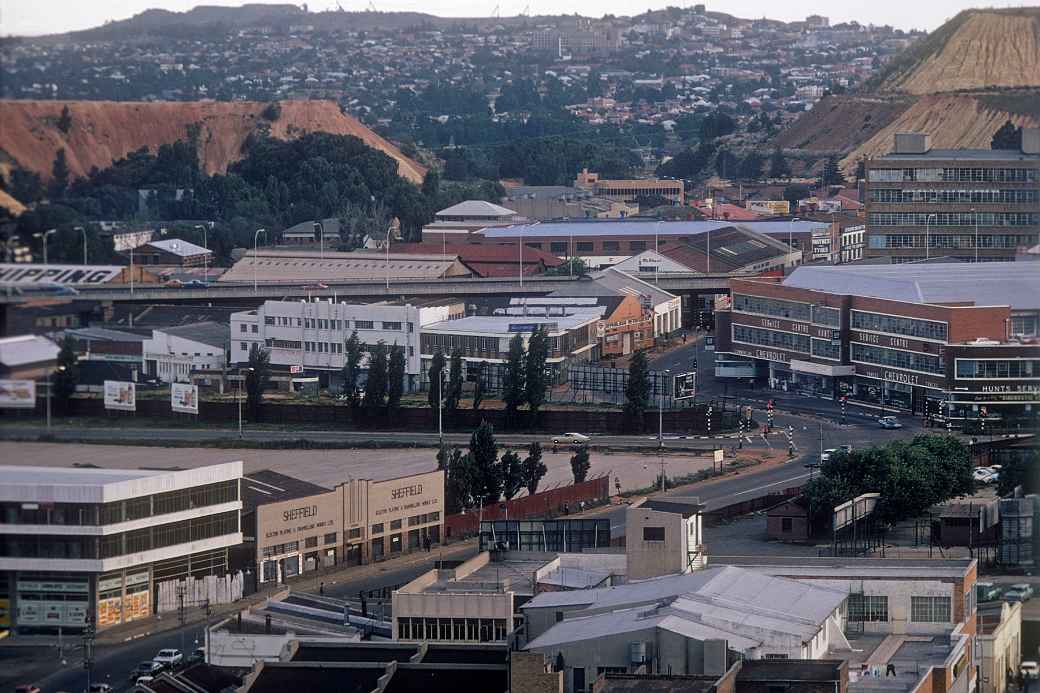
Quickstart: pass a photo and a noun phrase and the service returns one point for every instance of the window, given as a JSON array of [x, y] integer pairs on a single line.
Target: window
[[794, 310], [363, 324], [395, 543], [990, 369], [559, 616], [771, 338], [653, 533], [611, 246], [242, 346], [558, 247], [584, 246], [377, 529], [395, 326], [254, 328], [786, 525], [868, 608], [637, 246], [774, 655], [243, 327], [354, 533], [404, 628], [395, 524], [930, 609], [910, 360], [330, 538], [310, 542], [826, 349]]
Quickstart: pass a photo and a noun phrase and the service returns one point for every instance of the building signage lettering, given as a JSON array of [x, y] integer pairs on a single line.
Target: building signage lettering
[[800, 327], [14, 273], [905, 378], [762, 354], [866, 337], [406, 491], [1011, 388], [297, 513], [899, 342], [775, 324]]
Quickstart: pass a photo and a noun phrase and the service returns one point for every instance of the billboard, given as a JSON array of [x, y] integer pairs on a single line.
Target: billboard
[[17, 394], [120, 395], [184, 398], [18, 274], [686, 385]]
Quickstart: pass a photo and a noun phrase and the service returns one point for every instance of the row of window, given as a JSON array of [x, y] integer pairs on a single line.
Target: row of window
[[874, 609], [771, 338], [826, 349], [794, 310], [940, 196], [926, 363], [998, 368], [452, 629], [954, 175], [892, 324], [561, 247], [331, 324], [424, 519], [963, 240], [169, 502], [953, 219]]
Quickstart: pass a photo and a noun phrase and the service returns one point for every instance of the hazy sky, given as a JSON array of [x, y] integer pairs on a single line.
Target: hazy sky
[[33, 17]]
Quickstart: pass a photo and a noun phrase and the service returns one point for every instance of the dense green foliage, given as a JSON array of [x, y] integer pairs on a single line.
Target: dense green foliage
[[512, 474], [257, 377], [377, 384], [637, 391], [580, 463], [455, 380], [352, 367], [486, 470], [535, 380], [514, 386], [66, 376], [534, 469], [396, 374]]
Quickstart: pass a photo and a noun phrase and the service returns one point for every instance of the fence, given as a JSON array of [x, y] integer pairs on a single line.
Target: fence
[[210, 589], [544, 504]]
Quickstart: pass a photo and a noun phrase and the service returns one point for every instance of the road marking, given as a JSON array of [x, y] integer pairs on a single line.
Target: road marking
[[775, 483]]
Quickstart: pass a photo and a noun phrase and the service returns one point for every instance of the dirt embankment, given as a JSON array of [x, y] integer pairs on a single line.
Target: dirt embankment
[[980, 50], [838, 123], [103, 131]]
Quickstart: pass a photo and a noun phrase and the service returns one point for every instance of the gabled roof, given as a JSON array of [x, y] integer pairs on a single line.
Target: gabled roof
[[476, 208], [211, 333], [26, 349]]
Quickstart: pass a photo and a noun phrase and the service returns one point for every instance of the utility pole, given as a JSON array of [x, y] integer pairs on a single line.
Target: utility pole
[[88, 648]]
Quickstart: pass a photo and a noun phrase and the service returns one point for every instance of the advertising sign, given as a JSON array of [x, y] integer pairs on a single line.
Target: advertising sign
[[686, 385], [184, 398], [17, 394], [120, 395], [23, 274]]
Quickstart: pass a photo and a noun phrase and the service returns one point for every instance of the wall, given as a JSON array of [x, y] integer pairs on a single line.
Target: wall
[[544, 504], [297, 519], [898, 592], [651, 558], [530, 672]]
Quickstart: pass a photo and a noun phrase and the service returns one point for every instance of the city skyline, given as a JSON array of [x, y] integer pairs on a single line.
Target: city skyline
[[58, 16]]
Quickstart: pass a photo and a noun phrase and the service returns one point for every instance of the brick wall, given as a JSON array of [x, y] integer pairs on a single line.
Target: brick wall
[[528, 674]]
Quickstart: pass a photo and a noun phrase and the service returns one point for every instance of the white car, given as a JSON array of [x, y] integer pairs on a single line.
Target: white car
[[571, 439], [984, 475], [168, 658], [1029, 670]]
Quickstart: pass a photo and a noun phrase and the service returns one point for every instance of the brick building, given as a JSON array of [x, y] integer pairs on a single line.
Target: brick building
[[950, 339]]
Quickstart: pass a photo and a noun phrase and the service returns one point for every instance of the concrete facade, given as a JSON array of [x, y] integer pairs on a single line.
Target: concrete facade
[[662, 543]]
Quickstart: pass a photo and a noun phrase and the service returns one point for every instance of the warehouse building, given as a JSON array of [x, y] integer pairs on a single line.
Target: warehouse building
[[282, 265], [79, 544]]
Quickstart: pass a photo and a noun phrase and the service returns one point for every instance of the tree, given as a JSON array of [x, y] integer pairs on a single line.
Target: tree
[[512, 474], [483, 450], [1020, 471], [257, 377], [580, 463], [65, 120], [637, 391], [459, 485], [435, 395], [535, 382], [352, 367], [431, 185], [751, 166], [534, 469], [795, 192], [726, 163], [1007, 136], [479, 387], [59, 175], [272, 111], [454, 381], [778, 166], [26, 186], [376, 385], [861, 169], [832, 174], [66, 376], [396, 375], [514, 386]]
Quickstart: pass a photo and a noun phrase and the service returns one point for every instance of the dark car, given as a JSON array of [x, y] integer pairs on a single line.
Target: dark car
[[148, 668]]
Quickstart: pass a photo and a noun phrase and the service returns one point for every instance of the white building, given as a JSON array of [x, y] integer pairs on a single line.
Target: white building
[[98, 542], [311, 334], [173, 353]]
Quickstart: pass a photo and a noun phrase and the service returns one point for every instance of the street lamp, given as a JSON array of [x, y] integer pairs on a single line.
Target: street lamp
[[50, 376], [256, 239], [927, 237], [660, 411], [45, 235], [205, 256], [240, 379], [657, 238], [84, 232], [389, 230], [975, 214], [521, 267], [790, 233], [440, 409]]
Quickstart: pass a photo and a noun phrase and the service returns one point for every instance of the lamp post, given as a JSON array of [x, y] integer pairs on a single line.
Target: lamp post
[[44, 235], [320, 228], [131, 269], [657, 239], [240, 379], [84, 232], [790, 232], [440, 409], [205, 256], [927, 237], [256, 239], [521, 267], [50, 380], [660, 412], [389, 229]]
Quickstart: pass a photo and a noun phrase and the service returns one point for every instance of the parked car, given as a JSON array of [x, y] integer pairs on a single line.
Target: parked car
[[889, 422], [143, 680], [985, 475], [27, 688], [826, 454], [987, 591], [99, 688], [168, 658], [195, 284], [1029, 670], [1024, 589], [199, 655], [847, 449], [149, 668], [571, 439]]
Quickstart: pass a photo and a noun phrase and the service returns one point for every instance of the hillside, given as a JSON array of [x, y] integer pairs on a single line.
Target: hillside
[[977, 49], [103, 131], [838, 123]]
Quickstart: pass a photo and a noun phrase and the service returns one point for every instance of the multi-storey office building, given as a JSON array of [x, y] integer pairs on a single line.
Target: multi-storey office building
[[966, 203], [941, 339], [79, 544], [311, 334]]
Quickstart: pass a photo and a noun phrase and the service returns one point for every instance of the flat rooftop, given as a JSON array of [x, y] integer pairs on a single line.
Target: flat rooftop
[[647, 227], [508, 325], [852, 567], [73, 476], [268, 486], [1015, 284], [512, 575], [964, 154]]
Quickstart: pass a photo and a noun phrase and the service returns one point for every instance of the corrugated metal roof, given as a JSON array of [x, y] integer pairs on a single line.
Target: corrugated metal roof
[[475, 208], [26, 349], [1015, 284], [630, 227], [176, 246]]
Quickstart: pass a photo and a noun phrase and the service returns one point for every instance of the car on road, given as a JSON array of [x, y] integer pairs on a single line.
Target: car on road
[[168, 658], [196, 284], [826, 454], [1021, 592], [987, 592], [571, 439], [889, 422], [317, 286], [99, 688], [846, 448], [149, 668], [197, 655], [174, 284], [985, 475], [1029, 670], [143, 680], [27, 688]]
